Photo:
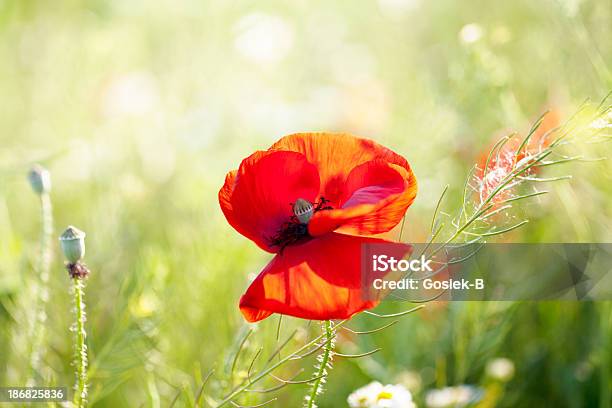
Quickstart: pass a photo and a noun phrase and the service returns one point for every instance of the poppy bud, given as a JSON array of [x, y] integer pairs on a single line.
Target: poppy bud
[[40, 179], [303, 210], [73, 244]]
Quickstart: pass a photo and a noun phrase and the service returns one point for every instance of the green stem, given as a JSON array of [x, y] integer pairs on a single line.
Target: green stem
[[42, 291], [322, 371], [262, 374], [80, 354]]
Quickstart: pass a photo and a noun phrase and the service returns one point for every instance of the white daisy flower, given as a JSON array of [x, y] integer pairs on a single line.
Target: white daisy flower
[[376, 395], [454, 397]]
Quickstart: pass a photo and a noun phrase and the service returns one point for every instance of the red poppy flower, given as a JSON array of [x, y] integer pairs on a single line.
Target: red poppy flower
[[313, 199]]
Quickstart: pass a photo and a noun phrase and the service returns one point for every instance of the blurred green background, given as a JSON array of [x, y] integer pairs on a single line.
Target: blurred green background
[[139, 108]]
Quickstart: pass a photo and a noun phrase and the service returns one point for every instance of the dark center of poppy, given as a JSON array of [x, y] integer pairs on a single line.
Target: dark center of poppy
[[295, 230]]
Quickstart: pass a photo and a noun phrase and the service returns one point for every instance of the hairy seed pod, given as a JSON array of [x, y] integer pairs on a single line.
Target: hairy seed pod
[[303, 210], [73, 244], [40, 179]]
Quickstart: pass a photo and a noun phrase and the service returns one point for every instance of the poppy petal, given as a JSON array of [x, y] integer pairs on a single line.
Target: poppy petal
[[257, 198], [335, 155], [320, 280], [377, 195]]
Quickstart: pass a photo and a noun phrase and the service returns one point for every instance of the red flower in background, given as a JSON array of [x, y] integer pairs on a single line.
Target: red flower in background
[[313, 199], [504, 161]]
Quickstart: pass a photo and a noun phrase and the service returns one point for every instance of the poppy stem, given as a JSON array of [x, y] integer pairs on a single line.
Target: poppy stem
[[324, 364], [80, 352], [42, 292]]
